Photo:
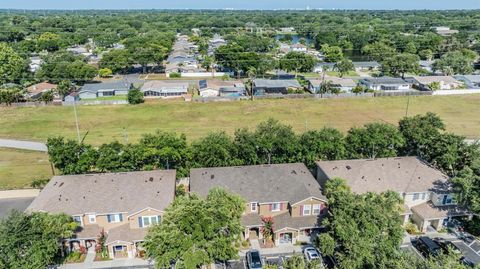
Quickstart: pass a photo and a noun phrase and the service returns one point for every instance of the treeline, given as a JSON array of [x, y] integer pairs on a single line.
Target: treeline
[[271, 142]]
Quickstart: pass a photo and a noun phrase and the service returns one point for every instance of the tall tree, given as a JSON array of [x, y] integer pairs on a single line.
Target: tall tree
[[214, 150], [344, 66], [71, 157], [298, 62], [456, 62], [400, 64], [332, 54], [379, 51], [196, 232], [326, 144], [12, 66]]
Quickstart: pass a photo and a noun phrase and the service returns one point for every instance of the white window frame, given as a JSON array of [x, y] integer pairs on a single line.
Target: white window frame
[[253, 207], [308, 212], [114, 218], [316, 207], [92, 218], [416, 196], [276, 207], [80, 217], [150, 222]]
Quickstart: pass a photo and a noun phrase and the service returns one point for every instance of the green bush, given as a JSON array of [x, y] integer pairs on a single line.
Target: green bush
[[135, 97], [175, 75]]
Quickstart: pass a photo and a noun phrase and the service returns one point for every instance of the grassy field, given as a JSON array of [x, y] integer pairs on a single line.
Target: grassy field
[[126, 122], [18, 168]]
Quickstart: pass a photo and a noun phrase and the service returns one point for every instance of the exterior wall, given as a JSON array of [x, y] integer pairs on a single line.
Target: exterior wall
[[102, 222], [454, 92], [209, 93], [297, 209], [133, 220], [248, 209], [87, 95], [121, 92], [437, 199], [421, 224], [293, 232], [264, 210], [408, 199], [130, 249]]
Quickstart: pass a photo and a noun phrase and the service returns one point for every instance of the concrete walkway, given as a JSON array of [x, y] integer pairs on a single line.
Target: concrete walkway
[[11, 194], [20, 144], [276, 251], [117, 263]]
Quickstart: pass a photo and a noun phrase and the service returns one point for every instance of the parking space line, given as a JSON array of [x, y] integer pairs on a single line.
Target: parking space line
[[244, 264]]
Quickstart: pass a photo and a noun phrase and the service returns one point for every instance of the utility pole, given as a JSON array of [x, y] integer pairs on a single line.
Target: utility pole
[[125, 135], [408, 105], [76, 121]]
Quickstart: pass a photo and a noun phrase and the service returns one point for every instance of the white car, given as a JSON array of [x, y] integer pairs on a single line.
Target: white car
[[311, 254]]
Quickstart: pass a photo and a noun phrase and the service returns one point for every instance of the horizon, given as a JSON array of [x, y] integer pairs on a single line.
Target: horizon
[[248, 5]]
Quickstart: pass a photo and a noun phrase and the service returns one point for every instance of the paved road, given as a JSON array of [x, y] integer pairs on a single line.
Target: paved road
[[9, 204], [20, 144]]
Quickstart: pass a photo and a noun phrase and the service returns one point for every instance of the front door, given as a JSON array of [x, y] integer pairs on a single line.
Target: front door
[[285, 238]]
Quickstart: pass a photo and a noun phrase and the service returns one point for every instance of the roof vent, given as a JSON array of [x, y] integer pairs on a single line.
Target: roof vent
[[61, 184], [212, 176], [294, 172], [151, 179], [348, 167]]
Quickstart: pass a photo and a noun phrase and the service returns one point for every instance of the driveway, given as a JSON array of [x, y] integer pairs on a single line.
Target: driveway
[[470, 251], [20, 144], [9, 204]]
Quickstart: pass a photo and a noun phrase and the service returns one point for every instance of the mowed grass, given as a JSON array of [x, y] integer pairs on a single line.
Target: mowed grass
[[18, 168], [128, 123]]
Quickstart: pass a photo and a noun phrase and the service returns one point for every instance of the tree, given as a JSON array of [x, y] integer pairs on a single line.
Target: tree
[[48, 41], [105, 72], [374, 140], [135, 96], [326, 144], [12, 65], [64, 88], [379, 51], [214, 150], [358, 89], [400, 64], [298, 62], [9, 96], [276, 143], [116, 60], [419, 132], [466, 186], [426, 54], [410, 48], [456, 62], [196, 232], [60, 66], [71, 157], [47, 97], [30, 241], [344, 66], [332, 53], [365, 227]]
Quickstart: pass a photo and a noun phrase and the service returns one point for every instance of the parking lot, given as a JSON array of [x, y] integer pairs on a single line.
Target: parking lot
[[7, 205]]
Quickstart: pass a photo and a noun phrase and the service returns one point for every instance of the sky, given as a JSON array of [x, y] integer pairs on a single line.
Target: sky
[[239, 4]]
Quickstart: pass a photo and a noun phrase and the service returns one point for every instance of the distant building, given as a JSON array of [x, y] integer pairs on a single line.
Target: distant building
[[274, 86], [210, 88], [164, 89], [386, 84], [444, 82], [298, 48], [366, 66], [471, 81], [35, 63], [444, 31], [37, 90], [95, 90], [344, 84]]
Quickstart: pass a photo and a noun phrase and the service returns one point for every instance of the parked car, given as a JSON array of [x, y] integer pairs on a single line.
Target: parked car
[[311, 254], [426, 246], [254, 260], [330, 261], [467, 238], [467, 262], [447, 246]]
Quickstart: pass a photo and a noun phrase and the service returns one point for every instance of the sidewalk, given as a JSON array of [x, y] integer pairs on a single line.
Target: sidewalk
[[117, 263], [276, 251], [27, 193], [20, 144]]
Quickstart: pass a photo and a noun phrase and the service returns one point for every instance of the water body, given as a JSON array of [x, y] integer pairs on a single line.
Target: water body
[[295, 38]]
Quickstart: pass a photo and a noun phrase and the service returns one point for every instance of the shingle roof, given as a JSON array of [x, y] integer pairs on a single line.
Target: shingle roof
[[95, 87], [106, 193], [88, 231], [401, 174], [285, 220], [159, 85], [430, 79], [343, 82], [429, 211], [252, 219], [276, 83], [124, 233], [366, 64], [40, 87], [259, 183], [385, 80]]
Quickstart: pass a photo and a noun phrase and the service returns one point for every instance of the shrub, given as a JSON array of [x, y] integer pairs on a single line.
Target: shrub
[[175, 75], [105, 72], [135, 97], [411, 228]]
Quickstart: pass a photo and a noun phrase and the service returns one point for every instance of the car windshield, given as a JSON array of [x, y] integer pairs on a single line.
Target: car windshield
[[314, 255], [256, 262]]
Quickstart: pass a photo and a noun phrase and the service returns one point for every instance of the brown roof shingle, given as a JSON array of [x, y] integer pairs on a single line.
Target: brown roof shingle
[[125, 234], [400, 174], [107, 193], [430, 211], [259, 183]]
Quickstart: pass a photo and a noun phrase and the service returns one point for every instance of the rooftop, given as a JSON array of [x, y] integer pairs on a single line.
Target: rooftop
[[259, 183], [384, 80], [156, 85], [41, 87], [107, 193], [430, 211], [276, 83], [431, 79], [344, 82], [95, 87], [400, 174]]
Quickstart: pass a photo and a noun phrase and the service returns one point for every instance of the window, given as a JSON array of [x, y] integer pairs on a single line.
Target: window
[[92, 218], [447, 199], [253, 207], [316, 209], [147, 221], [78, 220], [114, 218], [307, 209], [424, 195], [275, 207], [416, 196]]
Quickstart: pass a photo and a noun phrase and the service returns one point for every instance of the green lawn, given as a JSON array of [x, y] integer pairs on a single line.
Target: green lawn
[[108, 123], [337, 74], [106, 98], [18, 168]]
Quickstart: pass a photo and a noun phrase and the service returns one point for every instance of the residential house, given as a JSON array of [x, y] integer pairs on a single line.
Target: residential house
[[426, 192], [72, 97], [80, 50], [386, 84], [323, 66], [214, 43], [426, 65], [35, 63], [344, 84], [215, 87], [95, 90], [298, 47], [366, 66], [444, 31], [123, 205], [286, 192], [444, 82], [471, 81], [35, 91], [277, 86], [164, 89]]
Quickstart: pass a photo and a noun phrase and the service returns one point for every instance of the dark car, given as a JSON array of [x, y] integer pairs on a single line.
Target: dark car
[[330, 261], [254, 261], [467, 262], [447, 246], [427, 247]]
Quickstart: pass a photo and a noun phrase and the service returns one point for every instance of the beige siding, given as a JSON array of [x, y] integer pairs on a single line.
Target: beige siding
[[149, 212], [102, 222], [248, 209], [264, 210], [296, 209], [408, 199]]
